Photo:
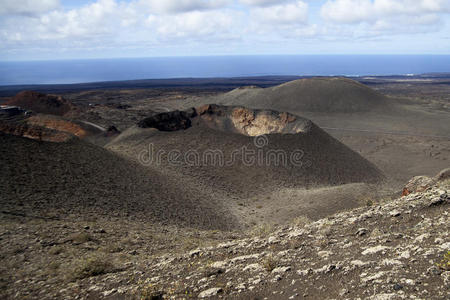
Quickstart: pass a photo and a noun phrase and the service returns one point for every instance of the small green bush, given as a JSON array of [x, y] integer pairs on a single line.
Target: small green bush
[[148, 291], [445, 262]]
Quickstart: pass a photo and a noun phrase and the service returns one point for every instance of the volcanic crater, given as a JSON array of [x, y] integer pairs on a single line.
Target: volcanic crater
[[225, 131], [241, 120]]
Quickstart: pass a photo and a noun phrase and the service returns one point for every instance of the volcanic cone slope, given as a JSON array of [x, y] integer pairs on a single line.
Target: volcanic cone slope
[[312, 95], [81, 180], [243, 151]]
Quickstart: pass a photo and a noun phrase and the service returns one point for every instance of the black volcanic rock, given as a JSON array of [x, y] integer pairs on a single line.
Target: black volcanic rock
[[112, 131], [170, 121]]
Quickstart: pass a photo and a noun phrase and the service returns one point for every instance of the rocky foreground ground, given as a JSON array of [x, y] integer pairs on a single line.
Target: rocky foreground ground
[[394, 250], [398, 249]]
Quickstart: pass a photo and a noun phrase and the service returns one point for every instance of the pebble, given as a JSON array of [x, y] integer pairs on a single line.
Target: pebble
[[195, 252], [256, 267], [277, 278], [110, 292], [361, 231], [210, 292], [395, 213], [281, 270], [219, 264], [374, 250]]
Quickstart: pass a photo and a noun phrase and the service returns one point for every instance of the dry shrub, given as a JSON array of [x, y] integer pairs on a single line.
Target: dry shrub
[[301, 221], [269, 263], [262, 230], [91, 266]]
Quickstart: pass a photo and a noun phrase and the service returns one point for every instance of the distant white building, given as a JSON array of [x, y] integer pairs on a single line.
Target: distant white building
[[13, 110]]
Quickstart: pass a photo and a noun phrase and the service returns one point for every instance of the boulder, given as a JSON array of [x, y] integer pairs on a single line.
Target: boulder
[[417, 184]]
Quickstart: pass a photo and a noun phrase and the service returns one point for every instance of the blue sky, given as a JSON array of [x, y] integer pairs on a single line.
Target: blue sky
[[58, 29]]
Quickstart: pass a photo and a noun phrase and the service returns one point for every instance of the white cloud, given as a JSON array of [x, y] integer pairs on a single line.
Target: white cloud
[[157, 27], [88, 21], [120, 24], [262, 2], [27, 7], [179, 6], [356, 11], [93, 24], [193, 24], [367, 19], [290, 13]]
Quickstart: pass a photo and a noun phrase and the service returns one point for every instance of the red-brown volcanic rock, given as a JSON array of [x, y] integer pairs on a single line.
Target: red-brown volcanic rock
[[41, 103]]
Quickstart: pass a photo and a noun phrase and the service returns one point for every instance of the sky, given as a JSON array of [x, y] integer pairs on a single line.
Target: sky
[[59, 29]]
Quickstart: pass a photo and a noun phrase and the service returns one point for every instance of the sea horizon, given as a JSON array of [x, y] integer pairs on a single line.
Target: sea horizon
[[72, 71]]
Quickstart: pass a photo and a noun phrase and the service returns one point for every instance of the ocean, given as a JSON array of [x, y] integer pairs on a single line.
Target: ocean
[[95, 70]]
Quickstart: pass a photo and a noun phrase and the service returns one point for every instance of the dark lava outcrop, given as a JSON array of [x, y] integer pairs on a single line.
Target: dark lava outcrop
[[170, 121], [111, 131]]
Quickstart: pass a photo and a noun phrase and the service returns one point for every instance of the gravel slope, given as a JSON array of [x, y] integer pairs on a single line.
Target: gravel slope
[[331, 95], [81, 180]]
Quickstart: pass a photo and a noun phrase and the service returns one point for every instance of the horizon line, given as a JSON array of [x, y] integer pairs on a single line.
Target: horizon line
[[215, 55]]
